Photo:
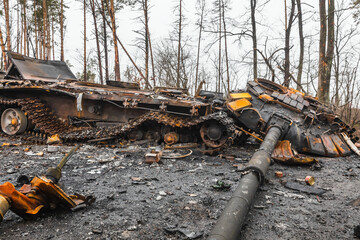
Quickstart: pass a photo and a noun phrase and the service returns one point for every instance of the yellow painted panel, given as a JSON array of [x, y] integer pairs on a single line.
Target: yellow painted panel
[[235, 96], [239, 104], [266, 97]]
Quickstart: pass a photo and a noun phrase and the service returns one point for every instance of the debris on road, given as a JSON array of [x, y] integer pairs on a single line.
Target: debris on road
[[40, 194], [310, 180], [221, 186], [304, 188]]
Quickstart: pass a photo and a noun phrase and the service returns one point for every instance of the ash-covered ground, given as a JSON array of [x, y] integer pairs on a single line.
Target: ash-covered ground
[[175, 198]]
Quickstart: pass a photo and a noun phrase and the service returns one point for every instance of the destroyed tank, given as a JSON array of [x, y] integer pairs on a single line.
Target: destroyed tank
[[40, 98]]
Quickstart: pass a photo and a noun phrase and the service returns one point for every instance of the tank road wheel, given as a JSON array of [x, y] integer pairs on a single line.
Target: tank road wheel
[[13, 121], [213, 134]]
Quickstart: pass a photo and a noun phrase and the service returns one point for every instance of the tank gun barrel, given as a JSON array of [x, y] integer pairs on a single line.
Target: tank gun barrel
[[230, 222]]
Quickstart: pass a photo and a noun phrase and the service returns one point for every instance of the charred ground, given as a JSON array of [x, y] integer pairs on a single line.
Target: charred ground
[[175, 199]]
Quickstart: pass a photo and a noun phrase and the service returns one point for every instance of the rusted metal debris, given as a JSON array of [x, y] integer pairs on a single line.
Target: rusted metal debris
[[153, 156], [40, 194], [40, 99]]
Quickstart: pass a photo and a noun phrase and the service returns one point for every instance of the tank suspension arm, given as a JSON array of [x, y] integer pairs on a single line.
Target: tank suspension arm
[[54, 174]]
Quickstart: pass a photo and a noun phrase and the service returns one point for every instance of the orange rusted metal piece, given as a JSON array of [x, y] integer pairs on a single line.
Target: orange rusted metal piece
[[20, 204], [40, 194], [283, 152]]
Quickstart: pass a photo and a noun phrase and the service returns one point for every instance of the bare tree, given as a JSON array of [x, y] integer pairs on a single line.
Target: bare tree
[[326, 49], [253, 36], [62, 30], [2, 44], [179, 44], [301, 40], [7, 22], [226, 47], [103, 15], [44, 30], [85, 71], [113, 24], [25, 28], [218, 89], [201, 5], [93, 11], [288, 26], [342, 39], [143, 42]]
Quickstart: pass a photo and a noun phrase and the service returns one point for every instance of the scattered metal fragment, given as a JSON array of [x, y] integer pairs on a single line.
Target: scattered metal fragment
[[153, 156], [188, 233], [177, 154], [40, 194], [304, 188], [279, 174], [310, 180], [182, 146], [284, 153]]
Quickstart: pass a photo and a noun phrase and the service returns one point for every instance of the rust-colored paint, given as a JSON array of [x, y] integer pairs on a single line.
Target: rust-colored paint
[[341, 147], [171, 138], [329, 146], [282, 151], [39, 194], [266, 98], [20, 203]]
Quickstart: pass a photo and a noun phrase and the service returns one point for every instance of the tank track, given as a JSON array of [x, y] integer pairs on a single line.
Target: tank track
[[47, 124], [161, 118], [40, 116]]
